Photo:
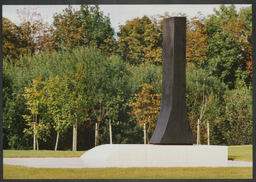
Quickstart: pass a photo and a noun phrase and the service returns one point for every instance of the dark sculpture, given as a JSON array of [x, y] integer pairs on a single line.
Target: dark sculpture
[[172, 125]]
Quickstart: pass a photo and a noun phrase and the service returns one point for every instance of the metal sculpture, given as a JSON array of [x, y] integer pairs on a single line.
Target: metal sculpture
[[172, 126]]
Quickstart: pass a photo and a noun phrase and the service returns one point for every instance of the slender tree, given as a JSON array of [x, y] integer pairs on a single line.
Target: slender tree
[[34, 99], [54, 99], [146, 107]]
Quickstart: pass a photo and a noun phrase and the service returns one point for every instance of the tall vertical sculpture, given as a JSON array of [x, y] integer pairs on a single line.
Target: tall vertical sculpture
[[172, 126]]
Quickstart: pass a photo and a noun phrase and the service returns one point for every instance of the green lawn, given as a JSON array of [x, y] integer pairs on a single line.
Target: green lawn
[[19, 172], [240, 153], [41, 153]]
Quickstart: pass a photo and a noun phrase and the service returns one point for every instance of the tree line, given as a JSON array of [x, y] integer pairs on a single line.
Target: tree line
[[75, 80]]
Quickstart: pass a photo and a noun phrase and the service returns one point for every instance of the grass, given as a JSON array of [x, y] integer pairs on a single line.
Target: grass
[[41, 153], [20, 172], [240, 153]]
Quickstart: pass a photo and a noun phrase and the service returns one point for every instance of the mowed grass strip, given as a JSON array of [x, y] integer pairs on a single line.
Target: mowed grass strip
[[240, 153], [41, 153], [20, 172]]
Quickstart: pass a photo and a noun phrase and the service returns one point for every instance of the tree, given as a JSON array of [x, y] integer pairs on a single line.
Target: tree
[[54, 99], [14, 43], [245, 15], [236, 125], [29, 37], [113, 106], [34, 100], [140, 41], [10, 39], [100, 112], [76, 105], [145, 73], [196, 41], [227, 59], [11, 103], [65, 65], [85, 27], [204, 101], [34, 31], [111, 91], [146, 108]]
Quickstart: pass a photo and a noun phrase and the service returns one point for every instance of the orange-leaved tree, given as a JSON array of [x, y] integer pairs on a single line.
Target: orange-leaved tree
[[196, 38], [145, 108], [35, 31], [87, 26], [140, 41], [30, 36]]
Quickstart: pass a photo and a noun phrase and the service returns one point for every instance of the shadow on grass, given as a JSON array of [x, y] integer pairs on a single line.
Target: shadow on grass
[[232, 157]]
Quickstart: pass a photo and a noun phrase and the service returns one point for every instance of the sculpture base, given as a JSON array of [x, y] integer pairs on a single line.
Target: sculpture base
[[141, 155]]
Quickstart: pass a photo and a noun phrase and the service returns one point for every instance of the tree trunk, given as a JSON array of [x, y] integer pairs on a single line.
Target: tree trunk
[[58, 134], [145, 134], [34, 136], [208, 132], [198, 132], [110, 132], [57, 141], [75, 136], [37, 144], [96, 133]]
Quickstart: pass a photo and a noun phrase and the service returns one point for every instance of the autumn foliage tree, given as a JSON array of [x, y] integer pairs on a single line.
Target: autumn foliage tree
[[140, 41], [29, 37], [84, 27], [196, 41], [245, 16], [146, 107], [15, 44]]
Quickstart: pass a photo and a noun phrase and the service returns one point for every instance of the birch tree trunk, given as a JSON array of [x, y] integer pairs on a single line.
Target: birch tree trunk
[[57, 141], [96, 133], [110, 132], [57, 138], [34, 136], [198, 132], [75, 136], [208, 132], [37, 144], [145, 134]]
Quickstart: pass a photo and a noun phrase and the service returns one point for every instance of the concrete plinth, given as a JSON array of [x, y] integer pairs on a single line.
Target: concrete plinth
[[141, 155]]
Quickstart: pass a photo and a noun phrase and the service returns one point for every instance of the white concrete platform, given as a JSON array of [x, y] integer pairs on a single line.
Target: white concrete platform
[[76, 162], [140, 155]]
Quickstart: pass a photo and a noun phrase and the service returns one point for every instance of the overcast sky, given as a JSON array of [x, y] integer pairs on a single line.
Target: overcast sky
[[118, 14]]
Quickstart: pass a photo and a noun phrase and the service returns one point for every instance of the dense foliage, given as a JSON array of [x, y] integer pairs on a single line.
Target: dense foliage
[[85, 27], [71, 87], [139, 41]]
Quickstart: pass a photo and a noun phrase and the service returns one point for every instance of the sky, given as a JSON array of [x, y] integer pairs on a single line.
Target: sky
[[118, 14]]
